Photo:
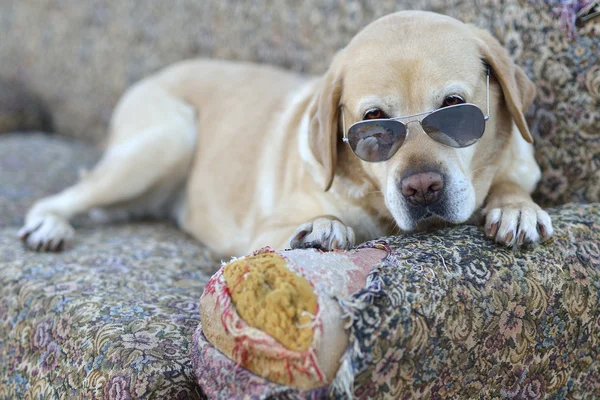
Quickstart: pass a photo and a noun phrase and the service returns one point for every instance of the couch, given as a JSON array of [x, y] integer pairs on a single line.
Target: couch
[[455, 316]]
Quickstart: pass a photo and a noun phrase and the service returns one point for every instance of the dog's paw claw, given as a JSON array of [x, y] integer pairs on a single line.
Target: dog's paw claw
[[492, 230], [323, 234], [518, 226], [46, 233]]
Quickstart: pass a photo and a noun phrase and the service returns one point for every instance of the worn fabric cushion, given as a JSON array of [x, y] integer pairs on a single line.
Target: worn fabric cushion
[[110, 318], [299, 294], [449, 314]]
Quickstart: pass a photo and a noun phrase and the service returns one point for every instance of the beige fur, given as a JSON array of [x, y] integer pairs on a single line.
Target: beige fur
[[242, 155]]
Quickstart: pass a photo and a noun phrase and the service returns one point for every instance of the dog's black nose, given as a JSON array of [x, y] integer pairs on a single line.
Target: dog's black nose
[[422, 188]]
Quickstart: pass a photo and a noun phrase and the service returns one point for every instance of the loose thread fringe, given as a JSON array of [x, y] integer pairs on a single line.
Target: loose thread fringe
[[343, 384]]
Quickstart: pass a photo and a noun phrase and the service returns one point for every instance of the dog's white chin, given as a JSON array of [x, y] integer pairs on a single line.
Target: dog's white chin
[[459, 209]]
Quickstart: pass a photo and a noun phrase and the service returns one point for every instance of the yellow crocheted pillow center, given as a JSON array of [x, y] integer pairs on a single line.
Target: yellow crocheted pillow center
[[270, 297]]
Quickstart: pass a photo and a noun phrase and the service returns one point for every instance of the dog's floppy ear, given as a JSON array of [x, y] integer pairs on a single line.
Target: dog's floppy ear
[[518, 89], [324, 115]]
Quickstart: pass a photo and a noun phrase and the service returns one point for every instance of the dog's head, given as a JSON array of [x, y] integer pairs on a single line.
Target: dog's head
[[407, 63]]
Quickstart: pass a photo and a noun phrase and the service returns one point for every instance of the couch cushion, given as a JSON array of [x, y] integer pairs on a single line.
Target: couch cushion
[[112, 317], [34, 165]]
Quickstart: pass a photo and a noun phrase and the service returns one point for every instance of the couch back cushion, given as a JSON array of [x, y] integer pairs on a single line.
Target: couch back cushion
[[80, 57]]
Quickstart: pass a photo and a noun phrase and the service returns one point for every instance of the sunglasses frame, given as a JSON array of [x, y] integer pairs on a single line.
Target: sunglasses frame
[[486, 117]]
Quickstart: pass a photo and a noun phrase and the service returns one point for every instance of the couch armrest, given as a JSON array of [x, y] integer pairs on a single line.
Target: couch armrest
[[449, 314], [452, 315]]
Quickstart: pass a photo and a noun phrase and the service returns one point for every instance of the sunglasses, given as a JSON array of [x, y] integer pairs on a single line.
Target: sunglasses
[[455, 126]]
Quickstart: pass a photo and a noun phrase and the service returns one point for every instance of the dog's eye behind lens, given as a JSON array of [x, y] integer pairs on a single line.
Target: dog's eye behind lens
[[452, 101], [375, 113]]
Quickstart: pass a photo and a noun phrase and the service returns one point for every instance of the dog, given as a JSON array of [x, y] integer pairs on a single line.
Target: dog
[[244, 156]]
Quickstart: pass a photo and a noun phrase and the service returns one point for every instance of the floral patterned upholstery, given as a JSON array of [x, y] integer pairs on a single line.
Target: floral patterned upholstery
[[458, 317], [455, 316], [112, 318]]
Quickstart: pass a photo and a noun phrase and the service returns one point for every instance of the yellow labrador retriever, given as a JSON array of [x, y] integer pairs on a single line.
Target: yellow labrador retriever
[[418, 122]]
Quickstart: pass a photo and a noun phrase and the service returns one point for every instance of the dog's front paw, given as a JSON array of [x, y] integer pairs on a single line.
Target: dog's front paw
[[515, 226], [46, 232], [323, 234]]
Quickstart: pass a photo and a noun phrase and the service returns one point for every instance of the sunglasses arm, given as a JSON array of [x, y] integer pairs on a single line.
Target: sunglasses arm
[[487, 95], [345, 138]]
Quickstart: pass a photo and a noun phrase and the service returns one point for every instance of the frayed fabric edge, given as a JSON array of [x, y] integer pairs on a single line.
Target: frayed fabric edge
[[342, 385]]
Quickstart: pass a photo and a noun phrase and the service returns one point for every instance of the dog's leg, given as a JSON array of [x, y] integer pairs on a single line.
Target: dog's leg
[[513, 219], [156, 153]]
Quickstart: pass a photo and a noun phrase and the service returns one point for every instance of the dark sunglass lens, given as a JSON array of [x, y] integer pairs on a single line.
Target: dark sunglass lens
[[376, 140], [456, 126]]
